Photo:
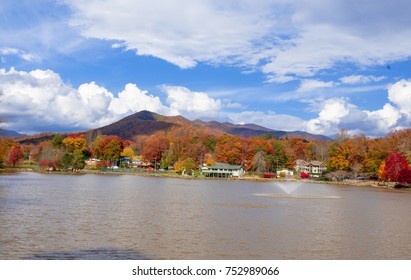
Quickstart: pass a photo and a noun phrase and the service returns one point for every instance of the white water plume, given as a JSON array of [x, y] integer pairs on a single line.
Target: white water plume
[[288, 188]]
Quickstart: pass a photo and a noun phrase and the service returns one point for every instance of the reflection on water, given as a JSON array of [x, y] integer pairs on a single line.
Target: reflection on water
[[129, 217]]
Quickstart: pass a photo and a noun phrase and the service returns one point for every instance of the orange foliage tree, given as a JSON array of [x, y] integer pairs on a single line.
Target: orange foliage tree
[[228, 149], [154, 148]]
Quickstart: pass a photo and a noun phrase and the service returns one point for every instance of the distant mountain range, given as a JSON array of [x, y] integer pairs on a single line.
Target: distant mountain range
[[9, 133], [147, 123]]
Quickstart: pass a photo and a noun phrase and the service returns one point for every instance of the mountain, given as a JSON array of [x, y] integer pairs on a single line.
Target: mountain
[[146, 123], [142, 123], [9, 133]]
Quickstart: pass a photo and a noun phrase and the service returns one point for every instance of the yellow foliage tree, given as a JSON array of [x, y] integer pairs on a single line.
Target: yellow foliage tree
[[188, 165], [128, 152], [75, 143], [209, 160]]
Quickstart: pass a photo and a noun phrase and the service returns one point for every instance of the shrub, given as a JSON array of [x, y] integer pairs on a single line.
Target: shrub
[[304, 175]]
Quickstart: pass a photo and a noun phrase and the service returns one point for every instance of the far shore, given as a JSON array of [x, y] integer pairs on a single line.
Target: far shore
[[253, 178]]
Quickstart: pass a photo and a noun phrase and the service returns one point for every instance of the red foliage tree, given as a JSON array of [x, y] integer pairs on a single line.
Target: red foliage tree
[[15, 155], [394, 163], [404, 178]]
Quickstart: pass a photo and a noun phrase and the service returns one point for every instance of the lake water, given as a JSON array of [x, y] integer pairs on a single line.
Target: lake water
[[131, 217]]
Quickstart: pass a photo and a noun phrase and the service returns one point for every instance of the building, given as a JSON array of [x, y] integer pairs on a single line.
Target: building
[[313, 168], [222, 170], [285, 173]]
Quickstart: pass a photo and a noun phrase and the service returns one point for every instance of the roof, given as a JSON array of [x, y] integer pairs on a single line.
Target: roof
[[225, 166], [316, 163]]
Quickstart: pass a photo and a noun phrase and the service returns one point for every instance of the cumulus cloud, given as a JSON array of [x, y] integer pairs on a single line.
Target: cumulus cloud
[[191, 104], [337, 113], [285, 39], [39, 100], [400, 95]]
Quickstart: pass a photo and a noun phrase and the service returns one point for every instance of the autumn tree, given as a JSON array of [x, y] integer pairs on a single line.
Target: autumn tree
[[260, 162], [404, 177], [295, 148], [128, 152], [49, 155], [111, 147], [228, 149], [394, 163], [375, 156], [74, 143], [154, 148], [381, 172], [15, 155], [339, 156], [187, 165], [6, 145], [209, 159]]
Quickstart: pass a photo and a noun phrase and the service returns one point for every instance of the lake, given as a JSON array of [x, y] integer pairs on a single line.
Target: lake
[[46, 216]]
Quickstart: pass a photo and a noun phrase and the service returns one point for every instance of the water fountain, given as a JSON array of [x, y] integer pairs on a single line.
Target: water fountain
[[289, 189]]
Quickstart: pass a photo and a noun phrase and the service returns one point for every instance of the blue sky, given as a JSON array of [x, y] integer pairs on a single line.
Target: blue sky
[[316, 66]]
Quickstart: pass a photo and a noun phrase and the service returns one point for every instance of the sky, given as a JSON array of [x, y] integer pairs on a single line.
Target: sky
[[309, 65]]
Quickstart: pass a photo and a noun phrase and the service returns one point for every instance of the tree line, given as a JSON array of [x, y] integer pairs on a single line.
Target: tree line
[[356, 155]]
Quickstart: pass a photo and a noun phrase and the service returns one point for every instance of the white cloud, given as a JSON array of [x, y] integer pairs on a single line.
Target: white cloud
[[180, 32], [309, 85], [19, 53], [269, 120], [400, 95], [40, 101], [286, 39], [191, 104], [361, 79], [132, 99], [381, 121]]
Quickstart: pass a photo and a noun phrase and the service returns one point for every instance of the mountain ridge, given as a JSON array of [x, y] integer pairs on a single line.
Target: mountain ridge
[[146, 123]]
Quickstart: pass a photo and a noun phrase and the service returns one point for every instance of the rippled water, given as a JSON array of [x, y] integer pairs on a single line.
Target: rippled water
[[130, 217]]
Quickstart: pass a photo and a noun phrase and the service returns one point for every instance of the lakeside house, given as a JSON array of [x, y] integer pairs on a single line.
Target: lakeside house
[[314, 167], [285, 173], [222, 170]]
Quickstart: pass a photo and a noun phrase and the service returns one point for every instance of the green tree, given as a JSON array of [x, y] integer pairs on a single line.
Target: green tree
[[67, 161], [78, 160], [279, 158], [57, 141]]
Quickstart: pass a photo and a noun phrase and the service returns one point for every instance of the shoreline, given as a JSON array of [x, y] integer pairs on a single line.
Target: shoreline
[[351, 183]]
